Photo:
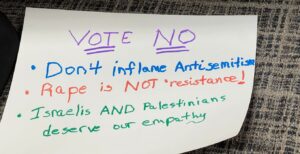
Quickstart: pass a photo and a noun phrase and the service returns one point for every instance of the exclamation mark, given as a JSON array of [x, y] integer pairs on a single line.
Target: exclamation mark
[[243, 78]]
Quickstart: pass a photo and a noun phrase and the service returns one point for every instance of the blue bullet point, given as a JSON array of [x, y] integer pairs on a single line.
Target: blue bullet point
[[33, 67]]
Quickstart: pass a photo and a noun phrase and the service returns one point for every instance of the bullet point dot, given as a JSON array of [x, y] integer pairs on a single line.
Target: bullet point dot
[[33, 67], [27, 92], [19, 115]]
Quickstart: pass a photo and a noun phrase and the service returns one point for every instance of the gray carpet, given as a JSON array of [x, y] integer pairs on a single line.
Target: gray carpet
[[272, 124]]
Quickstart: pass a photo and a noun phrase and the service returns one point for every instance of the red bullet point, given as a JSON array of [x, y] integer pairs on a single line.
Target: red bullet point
[[27, 92]]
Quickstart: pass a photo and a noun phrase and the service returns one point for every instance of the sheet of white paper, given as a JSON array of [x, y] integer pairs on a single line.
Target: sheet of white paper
[[93, 82]]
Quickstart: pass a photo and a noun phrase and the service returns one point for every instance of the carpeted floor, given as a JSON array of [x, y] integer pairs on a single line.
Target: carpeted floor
[[272, 124]]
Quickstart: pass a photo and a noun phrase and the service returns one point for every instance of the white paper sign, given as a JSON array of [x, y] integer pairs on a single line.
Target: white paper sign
[[93, 82]]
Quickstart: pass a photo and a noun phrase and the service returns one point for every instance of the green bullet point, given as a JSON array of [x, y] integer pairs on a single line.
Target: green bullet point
[[19, 115]]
